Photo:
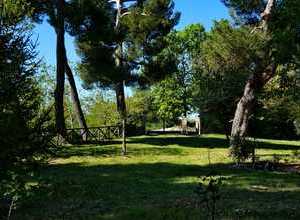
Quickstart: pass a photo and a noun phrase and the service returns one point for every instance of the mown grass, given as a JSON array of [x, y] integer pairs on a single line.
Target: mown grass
[[157, 181]]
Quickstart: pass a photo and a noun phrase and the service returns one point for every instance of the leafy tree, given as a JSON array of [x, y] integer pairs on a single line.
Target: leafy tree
[[172, 96], [278, 106], [184, 46], [167, 101], [222, 66], [215, 95], [103, 111], [140, 110], [135, 50]]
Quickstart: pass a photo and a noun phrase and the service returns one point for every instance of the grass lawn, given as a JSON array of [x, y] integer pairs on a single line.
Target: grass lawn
[[157, 181]]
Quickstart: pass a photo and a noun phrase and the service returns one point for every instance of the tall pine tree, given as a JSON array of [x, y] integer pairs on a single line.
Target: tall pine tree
[[56, 12], [134, 52], [279, 21]]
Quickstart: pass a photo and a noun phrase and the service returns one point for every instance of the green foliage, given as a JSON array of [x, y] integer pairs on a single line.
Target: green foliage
[[245, 11], [234, 49], [225, 60], [209, 194], [140, 102], [147, 25], [167, 100], [102, 112], [157, 182], [172, 96], [141, 33], [243, 151], [140, 110], [25, 126], [185, 47], [278, 106], [92, 25], [16, 11], [188, 41], [21, 120], [283, 24], [46, 83], [215, 95]]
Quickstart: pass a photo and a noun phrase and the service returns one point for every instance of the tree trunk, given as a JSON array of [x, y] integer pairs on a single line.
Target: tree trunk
[[60, 71], [121, 106], [76, 101], [145, 122], [244, 110], [227, 130], [199, 126], [120, 94], [267, 14], [241, 118], [244, 107]]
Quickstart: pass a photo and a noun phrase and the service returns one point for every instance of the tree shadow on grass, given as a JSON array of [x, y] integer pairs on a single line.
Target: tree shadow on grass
[[205, 142], [159, 146], [111, 151], [146, 191], [184, 141]]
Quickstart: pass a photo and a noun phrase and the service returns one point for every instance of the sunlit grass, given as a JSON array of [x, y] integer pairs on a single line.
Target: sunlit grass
[[156, 180]]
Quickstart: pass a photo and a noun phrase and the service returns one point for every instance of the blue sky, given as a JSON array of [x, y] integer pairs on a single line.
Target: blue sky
[[192, 11]]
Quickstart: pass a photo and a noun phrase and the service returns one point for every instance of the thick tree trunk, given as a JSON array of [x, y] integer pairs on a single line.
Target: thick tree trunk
[[227, 130], [60, 71], [244, 110], [241, 118], [121, 105], [63, 67], [145, 123], [76, 101], [119, 87], [267, 14], [244, 107]]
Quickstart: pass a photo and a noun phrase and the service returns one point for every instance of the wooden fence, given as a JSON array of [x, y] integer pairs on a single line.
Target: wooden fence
[[93, 134], [90, 135]]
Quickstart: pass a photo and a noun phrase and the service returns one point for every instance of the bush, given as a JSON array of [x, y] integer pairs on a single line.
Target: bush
[[25, 128]]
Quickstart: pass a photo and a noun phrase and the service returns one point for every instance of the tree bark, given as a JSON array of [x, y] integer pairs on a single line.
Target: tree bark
[[121, 106], [60, 71], [76, 101], [227, 130], [244, 106], [119, 87], [267, 13], [241, 118], [244, 110]]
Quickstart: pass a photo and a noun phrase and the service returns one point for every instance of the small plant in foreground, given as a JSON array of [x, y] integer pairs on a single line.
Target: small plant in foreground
[[296, 153], [243, 150], [208, 191]]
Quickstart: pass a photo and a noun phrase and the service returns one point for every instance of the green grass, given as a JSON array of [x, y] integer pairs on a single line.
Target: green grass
[[157, 181]]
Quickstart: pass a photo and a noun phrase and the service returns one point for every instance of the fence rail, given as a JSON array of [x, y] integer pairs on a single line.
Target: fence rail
[[93, 134]]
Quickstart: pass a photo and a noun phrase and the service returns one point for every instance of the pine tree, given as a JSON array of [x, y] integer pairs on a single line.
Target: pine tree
[[56, 12], [134, 50], [58, 17], [279, 21], [24, 125]]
